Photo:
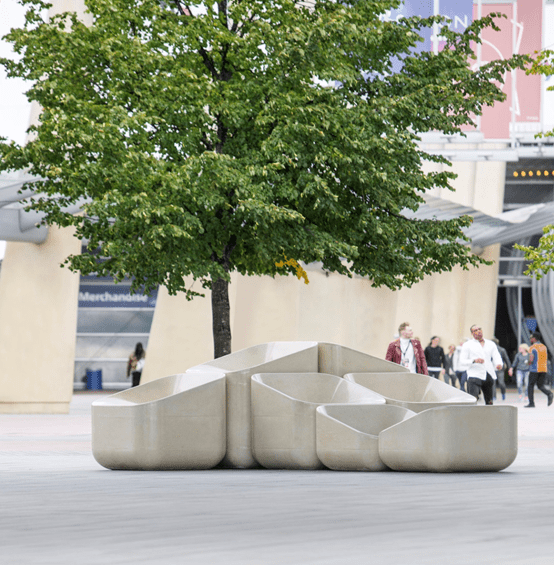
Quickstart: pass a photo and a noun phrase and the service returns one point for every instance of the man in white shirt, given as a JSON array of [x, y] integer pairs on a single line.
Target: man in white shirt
[[481, 359]]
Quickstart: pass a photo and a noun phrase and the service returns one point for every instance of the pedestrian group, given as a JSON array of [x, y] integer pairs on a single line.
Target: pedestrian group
[[476, 365]]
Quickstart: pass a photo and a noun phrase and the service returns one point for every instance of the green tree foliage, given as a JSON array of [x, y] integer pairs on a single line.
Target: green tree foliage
[[211, 138], [541, 258], [543, 64]]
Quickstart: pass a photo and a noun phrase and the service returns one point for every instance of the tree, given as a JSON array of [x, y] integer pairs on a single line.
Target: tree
[[233, 136], [541, 257]]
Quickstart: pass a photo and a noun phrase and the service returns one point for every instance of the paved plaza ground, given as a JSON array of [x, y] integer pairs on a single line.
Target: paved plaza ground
[[58, 506]]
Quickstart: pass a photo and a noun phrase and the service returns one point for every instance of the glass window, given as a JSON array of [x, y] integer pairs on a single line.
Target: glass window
[[96, 320]]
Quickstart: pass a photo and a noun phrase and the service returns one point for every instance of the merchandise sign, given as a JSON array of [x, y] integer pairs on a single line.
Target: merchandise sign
[[113, 296]]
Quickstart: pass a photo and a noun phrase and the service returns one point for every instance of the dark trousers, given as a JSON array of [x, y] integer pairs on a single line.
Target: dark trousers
[[475, 386], [462, 377], [500, 383], [136, 377], [536, 379], [451, 379], [434, 374]]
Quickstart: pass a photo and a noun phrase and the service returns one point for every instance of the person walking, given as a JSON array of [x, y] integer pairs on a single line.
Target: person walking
[[449, 373], [407, 351], [538, 358], [461, 373], [500, 374], [481, 358], [136, 364], [434, 356], [521, 366]]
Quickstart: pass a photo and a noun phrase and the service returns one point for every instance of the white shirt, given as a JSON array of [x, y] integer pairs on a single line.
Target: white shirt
[[472, 350], [456, 359], [408, 358]]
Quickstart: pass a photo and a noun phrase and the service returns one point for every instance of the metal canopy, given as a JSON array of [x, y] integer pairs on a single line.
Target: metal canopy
[[487, 230], [15, 223]]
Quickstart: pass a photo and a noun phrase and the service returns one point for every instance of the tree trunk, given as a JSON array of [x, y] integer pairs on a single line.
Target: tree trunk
[[221, 318]]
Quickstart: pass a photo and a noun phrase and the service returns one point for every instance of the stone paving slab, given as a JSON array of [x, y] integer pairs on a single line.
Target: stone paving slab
[[58, 507]]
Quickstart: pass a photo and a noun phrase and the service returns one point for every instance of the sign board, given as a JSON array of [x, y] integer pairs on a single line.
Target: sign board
[[114, 296]]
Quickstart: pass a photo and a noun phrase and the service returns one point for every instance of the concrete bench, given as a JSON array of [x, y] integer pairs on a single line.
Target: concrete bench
[[413, 391], [284, 415], [176, 422], [452, 439], [238, 367], [347, 435]]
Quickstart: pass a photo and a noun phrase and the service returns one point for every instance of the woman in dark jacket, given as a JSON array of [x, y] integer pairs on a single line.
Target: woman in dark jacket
[[449, 373], [434, 355]]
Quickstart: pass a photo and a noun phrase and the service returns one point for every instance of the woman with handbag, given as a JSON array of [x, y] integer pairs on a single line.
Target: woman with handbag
[[136, 364]]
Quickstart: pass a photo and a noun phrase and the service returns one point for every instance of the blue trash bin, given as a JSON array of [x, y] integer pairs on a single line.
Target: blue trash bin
[[94, 380]]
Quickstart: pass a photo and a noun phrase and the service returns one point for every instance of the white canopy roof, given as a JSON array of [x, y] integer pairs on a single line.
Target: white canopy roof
[[487, 230], [15, 223]]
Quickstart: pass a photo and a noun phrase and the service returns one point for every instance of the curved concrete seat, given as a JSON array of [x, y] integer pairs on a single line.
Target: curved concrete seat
[[238, 367], [284, 412], [347, 435], [451, 439], [176, 422], [413, 391], [338, 360]]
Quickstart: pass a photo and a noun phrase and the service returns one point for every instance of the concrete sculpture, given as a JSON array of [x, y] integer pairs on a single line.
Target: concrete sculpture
[[348, 434], [238, 368], [286, 405], [339, 360], [284, 412], [452, 439], [413, 391], [277, 357], [177, 422]]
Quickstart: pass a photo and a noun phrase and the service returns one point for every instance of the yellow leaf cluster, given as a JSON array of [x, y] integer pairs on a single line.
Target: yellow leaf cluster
[[300, 272]]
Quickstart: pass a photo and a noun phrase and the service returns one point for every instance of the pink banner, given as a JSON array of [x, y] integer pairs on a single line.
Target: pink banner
[[529, 15], [521, 32], [495, 121]]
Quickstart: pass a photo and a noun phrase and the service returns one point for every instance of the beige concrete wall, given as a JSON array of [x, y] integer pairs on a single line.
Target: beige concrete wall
[[38, 310], [331, 308], [38, 319], [448, 304], [78, 6], [181, 333]]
